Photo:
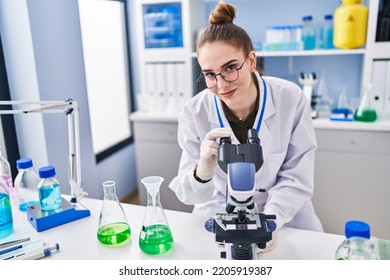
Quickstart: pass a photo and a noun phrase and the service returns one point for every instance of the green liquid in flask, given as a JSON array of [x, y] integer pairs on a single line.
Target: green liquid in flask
[[367, 115], [156, 239], [114, 234]]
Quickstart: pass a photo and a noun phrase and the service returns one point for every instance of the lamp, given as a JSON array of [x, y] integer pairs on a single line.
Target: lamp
[[70, 210]]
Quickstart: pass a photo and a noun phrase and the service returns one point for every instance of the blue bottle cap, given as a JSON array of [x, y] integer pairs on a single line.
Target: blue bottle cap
[[357, 228], [24, 163], [307, 18], [47, 171], [327, 17]]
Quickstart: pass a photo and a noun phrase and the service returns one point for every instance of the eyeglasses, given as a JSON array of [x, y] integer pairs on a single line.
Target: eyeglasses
[[228, 74]]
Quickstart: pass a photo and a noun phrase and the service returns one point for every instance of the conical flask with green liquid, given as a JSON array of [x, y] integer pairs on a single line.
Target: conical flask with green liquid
[[113, 227], [155, 237], [364, 112]]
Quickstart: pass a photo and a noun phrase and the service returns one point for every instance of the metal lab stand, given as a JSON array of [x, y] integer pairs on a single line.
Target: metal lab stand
[[43, 220]]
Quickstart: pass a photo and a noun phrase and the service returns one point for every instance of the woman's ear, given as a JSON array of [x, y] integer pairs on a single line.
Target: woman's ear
[[252, 61]]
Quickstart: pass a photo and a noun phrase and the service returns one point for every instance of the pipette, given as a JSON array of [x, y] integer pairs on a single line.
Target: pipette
[[8, 244], [35, 254]]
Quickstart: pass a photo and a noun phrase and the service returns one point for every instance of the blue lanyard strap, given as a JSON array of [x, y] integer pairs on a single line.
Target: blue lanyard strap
[[218, 113], [261, 113], [263, 106]]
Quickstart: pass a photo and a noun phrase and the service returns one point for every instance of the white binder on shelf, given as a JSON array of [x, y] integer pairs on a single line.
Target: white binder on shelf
[[150, 87], [160, 100], [377, 101], [172, 107], [181, 78], [386, 113]]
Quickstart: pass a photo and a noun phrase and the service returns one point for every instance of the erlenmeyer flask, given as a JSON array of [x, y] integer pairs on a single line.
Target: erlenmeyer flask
[[113, 227], [364, 112], [155, 237]]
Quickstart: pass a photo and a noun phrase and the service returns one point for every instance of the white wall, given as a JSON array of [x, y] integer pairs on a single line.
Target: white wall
[[43, 54], [23, 84]]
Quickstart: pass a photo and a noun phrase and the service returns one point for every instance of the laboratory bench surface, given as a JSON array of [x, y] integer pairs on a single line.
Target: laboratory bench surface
[[379, 125], [78, 240], [321, 123]]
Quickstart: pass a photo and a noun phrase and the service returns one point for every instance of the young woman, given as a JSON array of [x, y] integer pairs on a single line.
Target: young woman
[[239, 98]]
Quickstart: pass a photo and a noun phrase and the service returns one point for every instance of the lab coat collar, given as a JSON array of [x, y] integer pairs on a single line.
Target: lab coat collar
[[268, 111]]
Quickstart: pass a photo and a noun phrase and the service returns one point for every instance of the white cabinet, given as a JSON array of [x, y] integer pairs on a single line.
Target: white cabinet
[[166, 71], [157, 154], [352, 178]]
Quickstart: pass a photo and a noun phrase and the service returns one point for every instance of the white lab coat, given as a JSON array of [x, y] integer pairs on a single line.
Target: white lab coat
[[288, 142]]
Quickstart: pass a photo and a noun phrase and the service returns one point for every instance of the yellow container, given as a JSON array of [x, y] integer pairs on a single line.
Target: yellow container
[[350, 25]]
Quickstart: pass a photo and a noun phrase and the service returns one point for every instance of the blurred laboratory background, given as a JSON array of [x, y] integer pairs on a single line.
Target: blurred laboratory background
[[131, 65]]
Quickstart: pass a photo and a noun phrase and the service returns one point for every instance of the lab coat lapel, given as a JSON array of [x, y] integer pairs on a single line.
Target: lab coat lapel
[[269, 109]]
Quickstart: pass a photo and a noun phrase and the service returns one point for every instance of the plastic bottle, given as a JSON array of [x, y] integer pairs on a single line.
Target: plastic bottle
[[308, 33], [6, 222], [49, 189], [357, 245], [26, 184], [326, 34], [6, 176], [155, 237], [113, 228], [350, 24]]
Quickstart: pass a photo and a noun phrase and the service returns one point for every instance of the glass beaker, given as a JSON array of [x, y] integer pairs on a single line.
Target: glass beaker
[[113, 227], [6, 222], [155, 237]]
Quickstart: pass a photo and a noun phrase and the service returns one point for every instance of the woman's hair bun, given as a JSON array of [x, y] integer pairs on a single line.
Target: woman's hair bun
[[223, 13]]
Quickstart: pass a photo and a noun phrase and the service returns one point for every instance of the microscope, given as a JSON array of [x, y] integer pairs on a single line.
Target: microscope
[[309, 80], [241, 229]]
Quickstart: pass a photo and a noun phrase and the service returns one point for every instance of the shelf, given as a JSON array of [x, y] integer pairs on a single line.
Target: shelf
[[310, 52], [305, 53]]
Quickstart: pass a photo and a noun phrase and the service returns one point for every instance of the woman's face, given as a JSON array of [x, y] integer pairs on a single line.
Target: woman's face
[[221, 56]]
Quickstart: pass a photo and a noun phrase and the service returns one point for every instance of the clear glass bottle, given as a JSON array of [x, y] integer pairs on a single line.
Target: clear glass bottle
[[6, 222], [357, 245], [26, 184], [49, 189], [155, 237], [6, 176], [113, 228], [308, 33], [326, 34]]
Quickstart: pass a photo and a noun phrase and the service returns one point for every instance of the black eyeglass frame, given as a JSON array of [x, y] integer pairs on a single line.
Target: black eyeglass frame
[[199, 80]]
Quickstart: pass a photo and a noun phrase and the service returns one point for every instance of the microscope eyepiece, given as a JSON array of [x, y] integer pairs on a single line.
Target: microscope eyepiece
[[225, 140]]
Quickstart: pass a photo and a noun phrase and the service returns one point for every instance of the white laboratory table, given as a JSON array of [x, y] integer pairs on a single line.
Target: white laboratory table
[[78, 239]]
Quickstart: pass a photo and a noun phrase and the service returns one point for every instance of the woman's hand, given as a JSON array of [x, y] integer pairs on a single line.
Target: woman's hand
[[209, 153], [270, 245]]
